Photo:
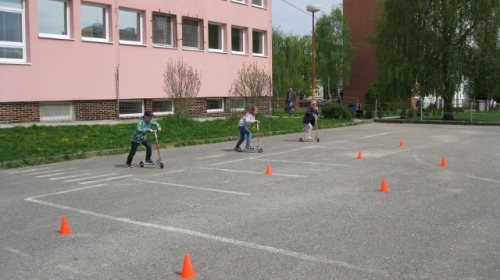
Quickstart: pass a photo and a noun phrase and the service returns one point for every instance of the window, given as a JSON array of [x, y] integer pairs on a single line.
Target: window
[[94, 22], [215, 105], [53, 18], [257, 42], [237, 104], [258, 3], [12, 31], [191, 34], [163, 34], [130, 26], [215, 37], [162, 106], [239, 1], [237, 40], [56, 111], [131, 108]]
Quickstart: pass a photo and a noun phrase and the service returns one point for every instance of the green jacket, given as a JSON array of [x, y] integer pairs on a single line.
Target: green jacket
[[142, 129]]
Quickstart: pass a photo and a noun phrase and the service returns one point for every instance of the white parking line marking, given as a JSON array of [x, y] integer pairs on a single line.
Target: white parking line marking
[[17, 252], [164, 173], [107, 179], [72, 176], [215, 238], [92, 177], [56, 174], [27, 170], [266, 155], [253, 172], [61, 192], [385, 133], [305, 162], [191, 187], [47, 171]]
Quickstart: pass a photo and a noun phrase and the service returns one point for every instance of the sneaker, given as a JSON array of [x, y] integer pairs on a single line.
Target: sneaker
[[149, 162], [310, 138], [129, 165], [238, 149]]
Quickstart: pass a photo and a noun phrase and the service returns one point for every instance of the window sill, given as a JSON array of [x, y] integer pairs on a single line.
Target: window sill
[[260, 55], [48, 36], [192, 50], [15, 63], [259, 7], [216, 51], [126, 43], [164, 47], [87, 40], [239, 53]]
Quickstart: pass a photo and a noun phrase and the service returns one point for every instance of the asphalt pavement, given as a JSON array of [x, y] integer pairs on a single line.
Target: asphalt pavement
[[318, 213]]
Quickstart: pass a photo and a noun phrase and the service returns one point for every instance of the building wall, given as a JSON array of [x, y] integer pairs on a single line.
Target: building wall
[[359, 14], [86, 72]]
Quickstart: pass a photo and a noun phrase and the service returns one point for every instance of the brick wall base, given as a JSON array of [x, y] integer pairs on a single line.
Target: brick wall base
[[94, 110]]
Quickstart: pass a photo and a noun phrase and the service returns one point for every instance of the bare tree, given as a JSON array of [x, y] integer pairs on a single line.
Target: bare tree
[[251, 85], [181, 83]]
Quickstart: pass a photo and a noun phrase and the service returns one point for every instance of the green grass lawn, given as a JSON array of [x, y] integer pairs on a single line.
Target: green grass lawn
[[39, 144]]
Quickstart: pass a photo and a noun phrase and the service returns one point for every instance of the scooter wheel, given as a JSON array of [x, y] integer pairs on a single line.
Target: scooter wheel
[[141, 164], [317, 139], [301, 139], [260, 150], [160, 165]]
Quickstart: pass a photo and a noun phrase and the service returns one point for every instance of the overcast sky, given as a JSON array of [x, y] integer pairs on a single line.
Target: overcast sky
[[291, 15]]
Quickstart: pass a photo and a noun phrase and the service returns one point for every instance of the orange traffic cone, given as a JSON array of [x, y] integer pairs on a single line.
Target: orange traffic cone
[[64, 226], [443, 162], [360, 156], [384, 188], [187, 268], [402, 143], [269, 171]]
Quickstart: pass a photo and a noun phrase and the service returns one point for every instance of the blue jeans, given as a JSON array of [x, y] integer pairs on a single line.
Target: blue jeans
[[133, 150], [290, 108], [244, 131]]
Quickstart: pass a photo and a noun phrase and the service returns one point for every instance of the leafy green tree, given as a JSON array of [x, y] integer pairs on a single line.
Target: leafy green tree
[[334, 50], [291, 63], [428, 44]]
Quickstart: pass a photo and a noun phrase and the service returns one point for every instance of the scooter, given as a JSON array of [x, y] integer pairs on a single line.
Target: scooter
[[316, 126], [256, 148], [158, 161]]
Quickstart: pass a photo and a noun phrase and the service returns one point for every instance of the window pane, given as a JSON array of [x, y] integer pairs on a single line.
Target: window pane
[[214, 104], [14, 4], [93, 21], [257, 2], [237, 39], [257, 42], [190, 33], [11, 27], [131, 107], [162, 30], [162, 106], [52, 17], [215, 36], [16, 53], [130, 26]]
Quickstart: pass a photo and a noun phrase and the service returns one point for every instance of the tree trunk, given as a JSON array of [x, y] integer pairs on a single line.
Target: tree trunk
[[448, 110]]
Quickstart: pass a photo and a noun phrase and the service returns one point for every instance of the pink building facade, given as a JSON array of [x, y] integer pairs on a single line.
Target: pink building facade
[[105, 59]]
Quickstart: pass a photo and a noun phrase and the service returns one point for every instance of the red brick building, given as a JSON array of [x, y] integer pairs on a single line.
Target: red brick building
[[359, 14]]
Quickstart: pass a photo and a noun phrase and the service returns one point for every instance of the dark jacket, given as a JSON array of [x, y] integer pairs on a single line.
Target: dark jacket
[[309, 116]]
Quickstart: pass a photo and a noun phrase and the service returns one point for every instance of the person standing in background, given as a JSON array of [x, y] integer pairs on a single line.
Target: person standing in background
[[290, 100]]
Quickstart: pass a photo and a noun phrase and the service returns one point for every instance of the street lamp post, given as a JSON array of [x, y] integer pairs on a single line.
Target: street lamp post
[[313, 9]]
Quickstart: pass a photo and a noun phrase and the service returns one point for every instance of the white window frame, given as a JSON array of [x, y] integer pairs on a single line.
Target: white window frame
[[235, 101], [105, 24], [220, 102], [172, 34], [221, 29], [67, 25], [16, 45], [160, 113], [262, 35], [140, 29], [242, 39], [261, 5], [138, 114], [48, 107], [198, 35], [239, 1]]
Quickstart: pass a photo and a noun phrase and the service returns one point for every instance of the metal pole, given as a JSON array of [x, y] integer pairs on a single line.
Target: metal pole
[[313, 60], [375, 109]]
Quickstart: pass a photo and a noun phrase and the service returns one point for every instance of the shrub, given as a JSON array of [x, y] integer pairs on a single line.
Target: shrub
[[369, 113], [335, 111], [403, 112]]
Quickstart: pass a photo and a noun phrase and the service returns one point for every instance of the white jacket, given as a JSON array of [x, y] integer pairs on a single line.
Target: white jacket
[[247, 120]]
